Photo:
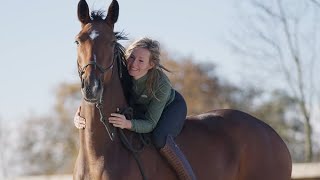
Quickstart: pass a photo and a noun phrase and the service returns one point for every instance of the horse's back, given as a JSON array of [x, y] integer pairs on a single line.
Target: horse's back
[[230, 144]]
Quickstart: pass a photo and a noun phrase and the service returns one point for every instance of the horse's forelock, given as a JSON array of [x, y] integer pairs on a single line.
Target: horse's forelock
[[98, 15]]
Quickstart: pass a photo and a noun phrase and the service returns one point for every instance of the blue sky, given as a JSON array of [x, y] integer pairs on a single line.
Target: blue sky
[[38, 53]]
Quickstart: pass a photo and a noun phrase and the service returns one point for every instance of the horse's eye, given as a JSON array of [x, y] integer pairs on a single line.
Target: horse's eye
[[77, 42]]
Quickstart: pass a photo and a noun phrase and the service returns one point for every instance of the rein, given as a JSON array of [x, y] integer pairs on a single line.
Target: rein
[[103, 119]]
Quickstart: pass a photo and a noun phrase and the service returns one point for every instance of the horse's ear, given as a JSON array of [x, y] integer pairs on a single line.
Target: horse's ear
[[113, 13], [83, 12]]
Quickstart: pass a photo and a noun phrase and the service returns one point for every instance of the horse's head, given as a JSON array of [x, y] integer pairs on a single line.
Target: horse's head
[[96, 42]]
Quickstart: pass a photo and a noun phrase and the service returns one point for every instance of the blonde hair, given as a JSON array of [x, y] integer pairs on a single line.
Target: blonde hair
[[155, 73]]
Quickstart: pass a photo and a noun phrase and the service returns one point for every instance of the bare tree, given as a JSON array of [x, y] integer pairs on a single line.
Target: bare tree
[[3, 144], [283, 35], [48, 143], [317, 3]]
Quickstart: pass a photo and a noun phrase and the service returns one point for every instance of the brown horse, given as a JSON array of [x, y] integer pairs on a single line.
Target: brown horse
[[220, 145]]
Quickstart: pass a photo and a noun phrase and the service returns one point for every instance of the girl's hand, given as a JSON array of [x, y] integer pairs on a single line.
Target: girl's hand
[[79, 121], [120, 121]]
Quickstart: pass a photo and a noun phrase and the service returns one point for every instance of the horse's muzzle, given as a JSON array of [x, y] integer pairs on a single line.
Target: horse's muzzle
[[91, 90]]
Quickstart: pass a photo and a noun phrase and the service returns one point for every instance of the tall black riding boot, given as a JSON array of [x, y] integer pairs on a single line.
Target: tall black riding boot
[[177, 160]]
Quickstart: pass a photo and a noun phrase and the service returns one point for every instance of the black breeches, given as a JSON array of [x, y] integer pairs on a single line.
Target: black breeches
[[171, 121]]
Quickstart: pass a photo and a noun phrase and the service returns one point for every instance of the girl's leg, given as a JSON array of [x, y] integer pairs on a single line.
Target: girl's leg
[[171, 121], [168, 127]]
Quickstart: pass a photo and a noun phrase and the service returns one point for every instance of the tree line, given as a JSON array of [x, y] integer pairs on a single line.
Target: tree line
[[49, 144]]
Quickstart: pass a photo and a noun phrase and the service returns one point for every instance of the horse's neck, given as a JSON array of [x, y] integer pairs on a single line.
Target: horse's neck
[[95, 135]]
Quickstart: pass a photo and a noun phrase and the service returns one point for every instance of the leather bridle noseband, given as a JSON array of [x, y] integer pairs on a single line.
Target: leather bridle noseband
[[101, 69]]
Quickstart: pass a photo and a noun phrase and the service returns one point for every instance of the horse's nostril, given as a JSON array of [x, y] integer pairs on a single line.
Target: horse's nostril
[[99, 84], [82, 84]]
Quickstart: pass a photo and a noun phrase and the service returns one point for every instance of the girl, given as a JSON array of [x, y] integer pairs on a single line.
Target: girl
[[158, 108]]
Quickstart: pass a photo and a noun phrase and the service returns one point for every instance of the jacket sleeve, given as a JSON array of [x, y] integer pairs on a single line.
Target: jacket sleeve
[[153, 112]]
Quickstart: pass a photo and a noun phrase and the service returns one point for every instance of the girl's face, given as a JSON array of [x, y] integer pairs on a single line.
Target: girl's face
[[139, 62]]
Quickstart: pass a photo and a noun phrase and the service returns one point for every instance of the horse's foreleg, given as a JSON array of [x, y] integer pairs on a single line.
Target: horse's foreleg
[[79, 172]]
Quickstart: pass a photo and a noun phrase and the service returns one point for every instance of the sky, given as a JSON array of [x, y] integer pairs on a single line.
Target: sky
[[38, 51]]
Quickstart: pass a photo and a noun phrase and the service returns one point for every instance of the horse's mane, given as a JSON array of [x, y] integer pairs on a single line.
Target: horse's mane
[[125, 78]]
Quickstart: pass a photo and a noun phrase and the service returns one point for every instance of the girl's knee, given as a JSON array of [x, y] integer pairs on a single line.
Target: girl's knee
[[159, 141]]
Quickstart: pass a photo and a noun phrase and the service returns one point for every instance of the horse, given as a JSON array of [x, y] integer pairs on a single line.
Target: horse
[[221, 144]]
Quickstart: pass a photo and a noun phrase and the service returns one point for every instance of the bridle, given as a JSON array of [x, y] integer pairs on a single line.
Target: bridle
[[101, 69], [99, 104], [103, 118]]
